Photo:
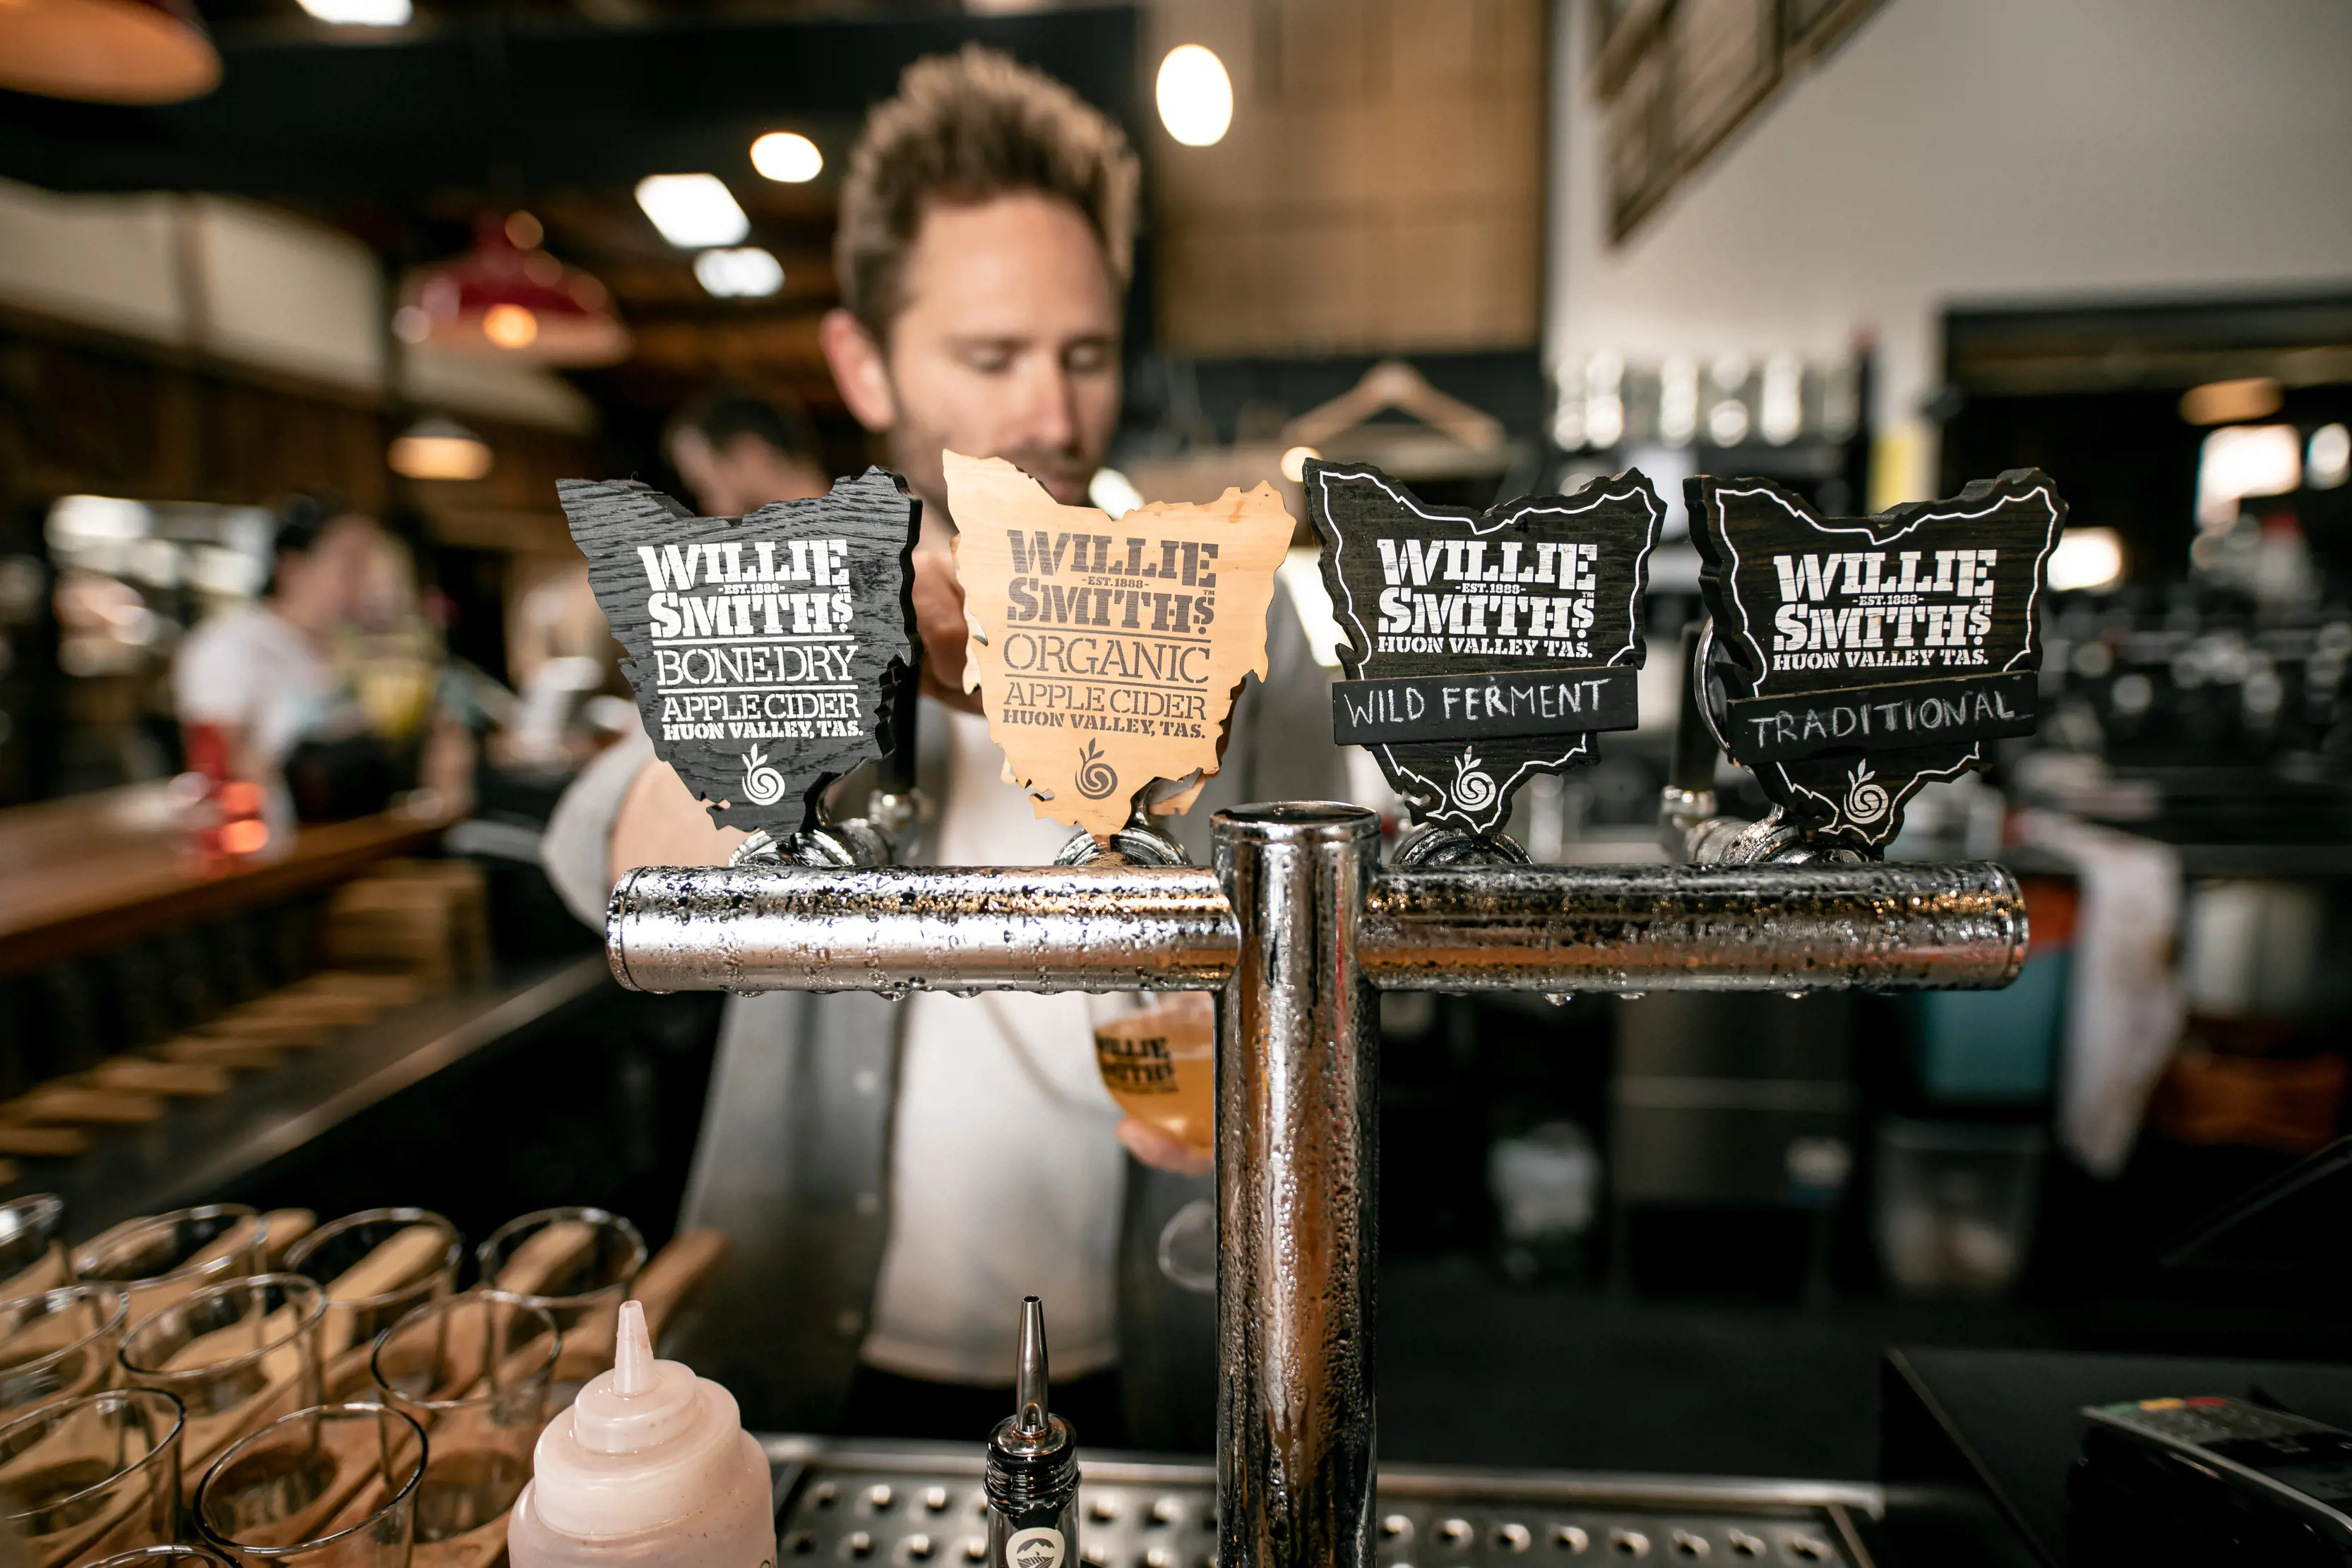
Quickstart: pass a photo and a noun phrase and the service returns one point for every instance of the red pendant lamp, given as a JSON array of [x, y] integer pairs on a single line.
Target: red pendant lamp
[[107, 51], [507, 296]]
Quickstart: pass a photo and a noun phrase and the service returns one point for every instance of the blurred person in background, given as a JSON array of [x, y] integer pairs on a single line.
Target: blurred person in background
[[897, 1176], [320, 691], [251, 683], [738, 452]]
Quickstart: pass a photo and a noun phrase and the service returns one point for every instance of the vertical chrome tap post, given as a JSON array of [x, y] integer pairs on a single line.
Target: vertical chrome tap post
[[1297, 1179]]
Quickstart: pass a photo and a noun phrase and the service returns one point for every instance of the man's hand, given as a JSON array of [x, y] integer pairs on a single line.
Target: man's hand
[[1163, 1150], [661, 823], [938, 619]]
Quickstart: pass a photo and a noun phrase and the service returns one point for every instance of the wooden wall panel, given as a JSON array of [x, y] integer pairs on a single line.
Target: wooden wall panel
[[1380, 190], [82, 411]]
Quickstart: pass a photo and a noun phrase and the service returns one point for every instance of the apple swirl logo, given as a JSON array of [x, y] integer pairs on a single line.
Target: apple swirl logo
[[762, 785], [1473, 787], [1866, 799], [1096, 779]]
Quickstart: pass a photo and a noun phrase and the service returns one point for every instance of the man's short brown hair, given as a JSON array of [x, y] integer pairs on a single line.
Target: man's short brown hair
[[965, 127]]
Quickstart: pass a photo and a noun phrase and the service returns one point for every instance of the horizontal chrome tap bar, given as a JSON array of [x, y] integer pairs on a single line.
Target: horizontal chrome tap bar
[[767, 928], [762, 927], [1905, 926]]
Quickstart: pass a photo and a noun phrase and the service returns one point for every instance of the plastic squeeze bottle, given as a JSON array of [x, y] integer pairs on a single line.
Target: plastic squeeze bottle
[[650, 1465]]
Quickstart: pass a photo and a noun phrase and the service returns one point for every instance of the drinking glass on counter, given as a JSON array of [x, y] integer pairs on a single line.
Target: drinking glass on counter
[[579, 1264], [1158, 1053], [473, 1371], [89, 1476], [236, 1355], [333, 1486], [179, 1555], [59, 1344], [375, 1267], [159, 1260], [33, 1255]]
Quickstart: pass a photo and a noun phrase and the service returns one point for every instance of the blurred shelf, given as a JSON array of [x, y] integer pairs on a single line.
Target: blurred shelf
[[2289, 860], [199, 1146]]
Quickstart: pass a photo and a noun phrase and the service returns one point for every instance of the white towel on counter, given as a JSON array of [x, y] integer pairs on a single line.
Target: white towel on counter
[[2124, 1007]]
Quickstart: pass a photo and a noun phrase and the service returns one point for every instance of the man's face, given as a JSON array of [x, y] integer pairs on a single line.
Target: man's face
[[322, 588], [740, 476], [1005, 345]]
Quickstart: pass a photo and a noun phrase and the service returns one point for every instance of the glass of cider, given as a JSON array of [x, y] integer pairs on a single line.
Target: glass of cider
[[1158, 1053]]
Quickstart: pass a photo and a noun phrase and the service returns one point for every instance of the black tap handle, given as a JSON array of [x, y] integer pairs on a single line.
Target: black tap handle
[[895, 772], [1692, 765]]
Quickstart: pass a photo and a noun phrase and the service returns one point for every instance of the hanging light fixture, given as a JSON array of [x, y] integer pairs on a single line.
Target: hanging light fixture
[[107, 51], [508, 296], [438, 448]]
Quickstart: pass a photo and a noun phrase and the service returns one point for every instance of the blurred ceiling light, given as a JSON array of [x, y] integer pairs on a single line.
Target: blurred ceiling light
[[438, 448], [1196, 97], [1114, 492], [360, 12], [746, 273], [1295, 461], [107, 51], [508, 298], [2086, 560], [787, 156], [2241, 460], [526, 231], [694, 212], [510, 326], [2230, 402], [2328, 462], [1726, 423]]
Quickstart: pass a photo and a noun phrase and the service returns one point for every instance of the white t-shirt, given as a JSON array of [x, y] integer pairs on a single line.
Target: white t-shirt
[[1006, 1178], [252, 668]]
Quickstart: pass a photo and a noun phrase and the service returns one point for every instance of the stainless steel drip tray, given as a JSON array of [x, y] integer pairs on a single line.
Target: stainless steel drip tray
[[919, 1505]]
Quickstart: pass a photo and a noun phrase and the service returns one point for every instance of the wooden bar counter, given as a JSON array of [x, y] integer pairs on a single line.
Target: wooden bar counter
[[93, 871]]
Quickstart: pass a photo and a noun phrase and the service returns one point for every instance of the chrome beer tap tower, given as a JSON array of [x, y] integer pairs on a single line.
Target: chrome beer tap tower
[[1298, 928]]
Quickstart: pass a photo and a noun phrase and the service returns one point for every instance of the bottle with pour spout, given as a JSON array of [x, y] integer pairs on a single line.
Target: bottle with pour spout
[[1031, 1473], [650, 1465]]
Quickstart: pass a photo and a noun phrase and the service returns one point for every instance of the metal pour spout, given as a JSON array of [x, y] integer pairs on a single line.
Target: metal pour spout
[[1029, 1392]]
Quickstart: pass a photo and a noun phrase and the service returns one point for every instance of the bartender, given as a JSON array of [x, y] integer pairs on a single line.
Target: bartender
[[896, 1176]]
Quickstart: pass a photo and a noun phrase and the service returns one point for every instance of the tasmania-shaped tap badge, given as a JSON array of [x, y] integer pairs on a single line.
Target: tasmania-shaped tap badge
[[1107, 654], [1482, 648], [763, 650], [1869, 655]]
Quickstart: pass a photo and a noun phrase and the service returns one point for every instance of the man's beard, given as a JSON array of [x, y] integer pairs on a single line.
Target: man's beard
[[915, 454]]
